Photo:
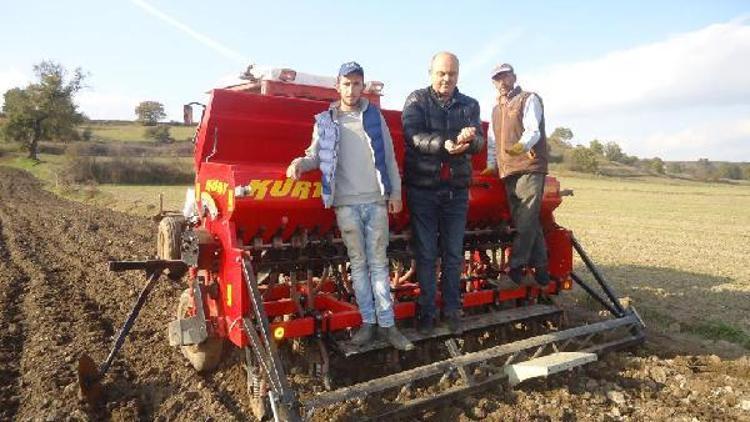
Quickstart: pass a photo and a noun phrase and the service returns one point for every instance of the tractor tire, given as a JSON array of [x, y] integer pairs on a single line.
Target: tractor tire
[[169, 240], [204, 356]]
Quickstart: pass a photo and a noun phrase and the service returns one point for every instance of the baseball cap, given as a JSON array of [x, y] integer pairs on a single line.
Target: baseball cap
[[351, 67], [501, 68]]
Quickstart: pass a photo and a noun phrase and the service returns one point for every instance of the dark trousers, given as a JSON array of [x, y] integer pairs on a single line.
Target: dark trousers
[[438, 221], [525, 192]]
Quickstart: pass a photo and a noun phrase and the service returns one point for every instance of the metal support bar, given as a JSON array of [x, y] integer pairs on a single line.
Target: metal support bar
[[151, 266], [264, 361], [595, 272], [455, 352], [594, 294], [469, 323], [275, 370], [129, 322], [437, 368], [416, 406]]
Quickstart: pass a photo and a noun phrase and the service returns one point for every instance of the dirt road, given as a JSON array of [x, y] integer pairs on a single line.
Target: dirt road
[[57, 300]]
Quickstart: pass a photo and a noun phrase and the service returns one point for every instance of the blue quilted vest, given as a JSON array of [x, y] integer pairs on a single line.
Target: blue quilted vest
[[328, 132]]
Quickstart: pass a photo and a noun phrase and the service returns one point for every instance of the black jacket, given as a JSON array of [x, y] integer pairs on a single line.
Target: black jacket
[[427, 124]]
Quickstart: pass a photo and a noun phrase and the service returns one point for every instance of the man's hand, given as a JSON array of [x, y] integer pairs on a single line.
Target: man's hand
[[454, 148], [395, 206], [466, 135], [489, 171], [516, 150], [293, 171]]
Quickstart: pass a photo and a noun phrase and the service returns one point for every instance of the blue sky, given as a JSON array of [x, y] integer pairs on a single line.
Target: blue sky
[[664, 78]]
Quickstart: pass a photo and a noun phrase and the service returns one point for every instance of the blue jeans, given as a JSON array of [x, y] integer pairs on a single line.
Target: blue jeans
[[364, 229], [438, 215]]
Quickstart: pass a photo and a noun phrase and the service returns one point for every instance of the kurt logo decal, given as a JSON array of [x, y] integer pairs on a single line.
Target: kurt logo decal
[[299, 189]]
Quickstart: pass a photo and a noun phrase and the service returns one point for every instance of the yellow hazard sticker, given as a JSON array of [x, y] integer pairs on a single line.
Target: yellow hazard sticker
[[229, 295]]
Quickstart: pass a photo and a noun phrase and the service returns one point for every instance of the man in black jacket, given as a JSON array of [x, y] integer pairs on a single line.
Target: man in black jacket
[[441, 129]]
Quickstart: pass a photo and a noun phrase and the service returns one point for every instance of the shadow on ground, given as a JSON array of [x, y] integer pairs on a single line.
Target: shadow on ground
[[685, 312]]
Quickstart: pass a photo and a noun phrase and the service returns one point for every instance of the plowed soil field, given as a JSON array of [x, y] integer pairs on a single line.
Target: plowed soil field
[[57, 300]]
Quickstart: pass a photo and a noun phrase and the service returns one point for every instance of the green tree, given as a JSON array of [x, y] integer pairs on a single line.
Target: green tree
[[582, 159], [730, 171], [150, 112], [674, 168], [44, 110], [629, 160], [613, 152], [159, 133], [596, 147], [87, 134], [704, 170], [657, 165], [562, 134]]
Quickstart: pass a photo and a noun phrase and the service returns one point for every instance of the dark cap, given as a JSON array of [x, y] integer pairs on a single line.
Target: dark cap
[[351, 67], [501, 68]]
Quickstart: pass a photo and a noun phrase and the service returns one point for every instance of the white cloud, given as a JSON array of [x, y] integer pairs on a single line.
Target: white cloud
[[707, 66], [720, 140], [683, 97]]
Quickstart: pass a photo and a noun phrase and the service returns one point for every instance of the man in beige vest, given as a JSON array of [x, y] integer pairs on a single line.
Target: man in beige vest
[[517, 148]]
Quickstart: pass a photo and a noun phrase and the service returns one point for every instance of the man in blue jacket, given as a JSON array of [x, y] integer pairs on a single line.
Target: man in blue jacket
[[353, 149]]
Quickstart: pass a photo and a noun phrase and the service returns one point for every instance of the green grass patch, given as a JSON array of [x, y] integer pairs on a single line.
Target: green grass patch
[[134, 132], [134, 199], [47, 168], [719, 330]]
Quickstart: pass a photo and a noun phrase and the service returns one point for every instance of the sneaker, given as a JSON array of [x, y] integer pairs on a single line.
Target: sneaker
[[364, 335], [425, 326], [516, 275], [396, 339], [454, 324]]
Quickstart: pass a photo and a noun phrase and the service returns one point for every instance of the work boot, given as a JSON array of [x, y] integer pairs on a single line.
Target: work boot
[[541, 278], [454, 323], [364, 335], [396, 339], [425, 326], [516, 275], [504, 282], [541, 275]]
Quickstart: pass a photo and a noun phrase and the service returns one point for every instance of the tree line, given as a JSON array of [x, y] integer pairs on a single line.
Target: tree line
[[588, 159], [45, 110]]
